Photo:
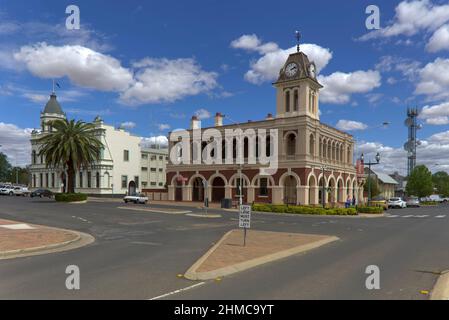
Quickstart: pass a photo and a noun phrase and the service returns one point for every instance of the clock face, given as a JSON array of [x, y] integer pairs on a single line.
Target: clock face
[[291, 69], [312, 71]]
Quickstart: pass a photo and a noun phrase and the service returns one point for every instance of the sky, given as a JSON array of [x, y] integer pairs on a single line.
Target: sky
[[148, 66]]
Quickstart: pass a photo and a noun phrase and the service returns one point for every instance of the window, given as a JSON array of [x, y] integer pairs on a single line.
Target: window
[[291, 144], [53, 180], [161, 184], [42, 158], [160, 169], [287, 101], [153, 169], [125, 155], [144, 156], [144, 183], [97, 180], [153, 183], [153, 157], [312, 145], [263, 187], [81, 179], [34, 157], [144, 169], [34, 181], [136, 180], [295, 101], [89, 179], [124, 182], [41, 178], [46, 180]]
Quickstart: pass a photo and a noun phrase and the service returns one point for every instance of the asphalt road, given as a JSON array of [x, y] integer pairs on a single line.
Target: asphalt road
[[138, 255]]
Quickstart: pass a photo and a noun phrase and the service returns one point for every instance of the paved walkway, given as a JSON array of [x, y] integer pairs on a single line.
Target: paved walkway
[[19, 238]]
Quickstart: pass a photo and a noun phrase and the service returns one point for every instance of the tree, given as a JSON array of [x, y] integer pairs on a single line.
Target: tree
[[5, 168], [441, 183], [70, 145], [20, 174], [419, 182], [374, 187]]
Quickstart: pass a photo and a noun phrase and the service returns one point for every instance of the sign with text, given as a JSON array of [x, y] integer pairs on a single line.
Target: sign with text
[[245, 217]]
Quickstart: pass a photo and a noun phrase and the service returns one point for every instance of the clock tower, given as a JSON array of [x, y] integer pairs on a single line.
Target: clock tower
[[297, 88]]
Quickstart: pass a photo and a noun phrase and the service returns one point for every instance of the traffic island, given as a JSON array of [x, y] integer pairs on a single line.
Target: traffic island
[[18, 239], [229, 255]]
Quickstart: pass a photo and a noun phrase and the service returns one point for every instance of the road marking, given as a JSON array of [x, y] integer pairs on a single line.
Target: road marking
[[422, 216], [178, 291], [18, 226], [407, 216], [441, 216], [392, 216]]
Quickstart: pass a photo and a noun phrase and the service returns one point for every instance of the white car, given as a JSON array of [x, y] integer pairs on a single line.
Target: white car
[[138, 198], [7, 190], [396, 203], [21, 191]]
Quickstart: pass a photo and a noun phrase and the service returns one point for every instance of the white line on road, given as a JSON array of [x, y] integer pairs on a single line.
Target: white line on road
[[441, 216], [422, 216], [393, 216], [407, 216], [178, 291]]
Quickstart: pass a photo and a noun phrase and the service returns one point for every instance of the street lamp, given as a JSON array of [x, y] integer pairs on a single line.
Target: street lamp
[[362, 158]]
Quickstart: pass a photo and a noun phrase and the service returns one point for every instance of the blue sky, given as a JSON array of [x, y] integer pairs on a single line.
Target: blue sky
[[150, 65]]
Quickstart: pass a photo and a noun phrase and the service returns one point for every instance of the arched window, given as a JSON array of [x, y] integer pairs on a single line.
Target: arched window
[[34, 157], [295, 101], [287, 101], [291, 144], [321, 148], [312, 145]]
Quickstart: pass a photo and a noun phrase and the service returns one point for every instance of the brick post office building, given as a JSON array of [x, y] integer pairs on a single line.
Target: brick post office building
[[311, 155]]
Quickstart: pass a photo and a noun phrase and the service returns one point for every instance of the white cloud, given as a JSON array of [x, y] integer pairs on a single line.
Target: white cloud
[[434, 80], [348, 125], [439, 40], [412, 17], [202, 114], [15, 143], [128, 125], [339, 86], [83, 66], [164, 80], [152, 141], [408, 68], [432, 151], [267, 67], [163, 126], [436, 115]]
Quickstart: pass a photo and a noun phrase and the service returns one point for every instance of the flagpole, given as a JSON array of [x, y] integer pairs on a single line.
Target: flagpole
[[53, 86]]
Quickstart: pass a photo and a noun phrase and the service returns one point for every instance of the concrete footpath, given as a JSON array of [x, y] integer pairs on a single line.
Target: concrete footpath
[[19, 239], [229, 255]]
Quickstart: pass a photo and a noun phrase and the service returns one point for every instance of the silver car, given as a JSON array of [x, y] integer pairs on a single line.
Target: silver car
[[413, 202]]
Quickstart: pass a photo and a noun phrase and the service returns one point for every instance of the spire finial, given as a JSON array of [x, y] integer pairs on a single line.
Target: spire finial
[[53, 80], [298, 37]]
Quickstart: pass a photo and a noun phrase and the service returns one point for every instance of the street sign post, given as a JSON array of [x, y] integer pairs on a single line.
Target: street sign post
[[245, 220]]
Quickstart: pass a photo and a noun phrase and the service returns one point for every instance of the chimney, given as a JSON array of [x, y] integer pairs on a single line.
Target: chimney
[[269, 117], [195, 123], [218, 119]]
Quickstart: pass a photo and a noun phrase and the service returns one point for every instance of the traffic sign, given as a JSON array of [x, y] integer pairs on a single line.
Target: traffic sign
[[245, 217]]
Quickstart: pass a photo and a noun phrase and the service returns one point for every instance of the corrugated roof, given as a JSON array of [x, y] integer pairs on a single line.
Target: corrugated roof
[[385, 178]]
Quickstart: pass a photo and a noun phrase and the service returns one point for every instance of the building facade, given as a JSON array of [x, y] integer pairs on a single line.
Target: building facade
[[315, 161], [152, 168], [118, 172]]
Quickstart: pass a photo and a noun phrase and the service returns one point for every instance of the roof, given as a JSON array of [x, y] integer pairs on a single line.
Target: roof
[[53, 105], [385, 178], [303, 63]]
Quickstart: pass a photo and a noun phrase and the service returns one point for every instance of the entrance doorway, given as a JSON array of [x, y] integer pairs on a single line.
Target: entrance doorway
[[198, 190], [290, 191], [218, 189]]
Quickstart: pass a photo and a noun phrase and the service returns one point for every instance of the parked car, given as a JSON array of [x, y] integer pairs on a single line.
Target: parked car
[[42, 193], [396, 203], [21, 191], [413, 202], [435, 198], [138, 198], [379, 201], [7, 190]]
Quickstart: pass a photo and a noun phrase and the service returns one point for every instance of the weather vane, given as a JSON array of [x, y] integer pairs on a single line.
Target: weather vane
[[298, 37]]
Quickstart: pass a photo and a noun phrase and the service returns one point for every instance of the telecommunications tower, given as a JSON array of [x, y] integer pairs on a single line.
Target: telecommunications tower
[[410, 146]]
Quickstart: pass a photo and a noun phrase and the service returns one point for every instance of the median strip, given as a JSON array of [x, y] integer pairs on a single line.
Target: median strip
[[167, 211]]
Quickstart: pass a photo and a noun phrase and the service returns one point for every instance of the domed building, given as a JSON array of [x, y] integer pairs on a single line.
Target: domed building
[[119, 171]]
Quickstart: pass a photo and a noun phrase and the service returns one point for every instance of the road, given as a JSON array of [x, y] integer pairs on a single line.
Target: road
[[139, 255]]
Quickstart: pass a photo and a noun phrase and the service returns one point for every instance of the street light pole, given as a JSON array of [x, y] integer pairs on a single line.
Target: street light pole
[[362, 158]]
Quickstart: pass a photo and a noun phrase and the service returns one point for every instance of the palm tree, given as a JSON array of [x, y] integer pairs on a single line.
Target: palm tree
[[70, 145]]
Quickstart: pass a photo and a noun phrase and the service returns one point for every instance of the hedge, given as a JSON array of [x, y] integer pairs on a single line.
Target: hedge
[[70, 197], [375, 210], [429, 203], [303, 209]]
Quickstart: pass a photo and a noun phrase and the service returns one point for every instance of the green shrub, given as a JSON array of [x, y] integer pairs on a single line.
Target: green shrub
[[373, 210], [279, 208], [429, 203], [70, 197]]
